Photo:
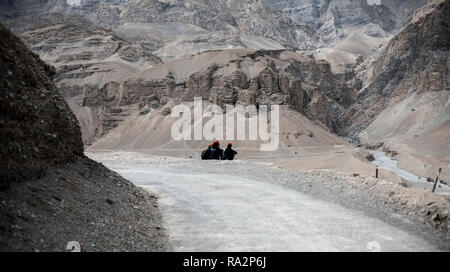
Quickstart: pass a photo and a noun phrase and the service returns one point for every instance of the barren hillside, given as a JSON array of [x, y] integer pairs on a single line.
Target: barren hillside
[[50, 193], [407, 93]]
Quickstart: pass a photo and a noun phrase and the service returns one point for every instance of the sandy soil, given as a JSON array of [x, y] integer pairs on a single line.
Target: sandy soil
[[152, 132]]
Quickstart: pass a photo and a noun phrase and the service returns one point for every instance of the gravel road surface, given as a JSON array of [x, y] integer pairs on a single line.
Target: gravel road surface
[[242, 206]]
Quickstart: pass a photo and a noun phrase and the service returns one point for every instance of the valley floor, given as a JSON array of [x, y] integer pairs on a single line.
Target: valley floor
[[257, 206]]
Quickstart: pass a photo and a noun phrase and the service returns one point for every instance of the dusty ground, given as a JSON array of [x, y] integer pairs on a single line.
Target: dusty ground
[[83, 202], [151, 132], [350, 168]]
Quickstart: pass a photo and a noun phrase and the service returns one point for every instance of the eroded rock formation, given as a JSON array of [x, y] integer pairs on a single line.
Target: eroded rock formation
[[223, 77]]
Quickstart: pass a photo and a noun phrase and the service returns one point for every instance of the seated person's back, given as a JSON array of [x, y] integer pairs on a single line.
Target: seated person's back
[[216, 151], [229, 153]]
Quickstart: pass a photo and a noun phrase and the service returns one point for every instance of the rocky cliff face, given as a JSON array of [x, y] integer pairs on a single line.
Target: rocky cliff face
[[336, 19], [222, 77], [425, 10], [85, 57], [177, 29], [415, 61]]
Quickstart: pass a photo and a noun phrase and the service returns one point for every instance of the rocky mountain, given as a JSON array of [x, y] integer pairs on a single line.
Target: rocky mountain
[[406, 91], [350, 29], [426, 9], [50, 193], [177, 29], [104, 51], [336, 19], [415, 61], [248, 24], [239, 76], [103, 76]]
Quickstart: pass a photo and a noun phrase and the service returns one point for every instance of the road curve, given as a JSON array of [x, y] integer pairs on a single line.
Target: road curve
[[208, 210]]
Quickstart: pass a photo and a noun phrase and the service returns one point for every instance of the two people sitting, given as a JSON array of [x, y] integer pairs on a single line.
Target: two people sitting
[[214, 152]]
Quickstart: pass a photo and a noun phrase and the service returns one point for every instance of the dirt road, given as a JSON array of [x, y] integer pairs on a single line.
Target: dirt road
[[239, 206]]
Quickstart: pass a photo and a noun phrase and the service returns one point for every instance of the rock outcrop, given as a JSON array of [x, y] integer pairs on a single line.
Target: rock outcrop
[[282, 23], [98, 74], [100, 71], [241, 18], [238, 76]]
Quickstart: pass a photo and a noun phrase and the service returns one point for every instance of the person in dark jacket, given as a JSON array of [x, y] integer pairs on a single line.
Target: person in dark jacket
[[206, 154], [229, 153], [216, 151]]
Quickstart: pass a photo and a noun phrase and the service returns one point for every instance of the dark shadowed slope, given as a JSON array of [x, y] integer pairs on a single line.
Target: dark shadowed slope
[[50, 192]]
